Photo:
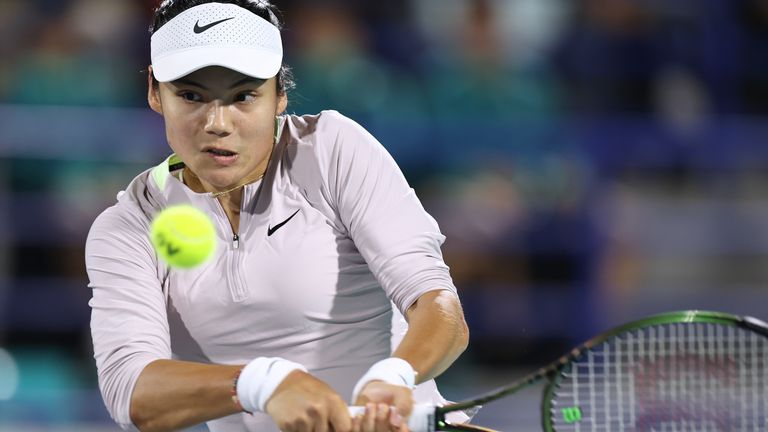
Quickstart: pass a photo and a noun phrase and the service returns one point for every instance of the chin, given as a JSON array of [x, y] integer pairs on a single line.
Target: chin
[[221, 183], [216, 177]]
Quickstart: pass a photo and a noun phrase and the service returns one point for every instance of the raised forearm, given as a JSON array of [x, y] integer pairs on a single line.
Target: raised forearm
[[171, 394], [437, 334]]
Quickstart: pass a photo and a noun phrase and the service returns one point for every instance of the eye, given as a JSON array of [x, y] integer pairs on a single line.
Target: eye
[[190, 96], [245, 97]]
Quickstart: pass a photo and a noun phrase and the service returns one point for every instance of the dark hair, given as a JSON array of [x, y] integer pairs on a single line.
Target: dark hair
[[168, 9]]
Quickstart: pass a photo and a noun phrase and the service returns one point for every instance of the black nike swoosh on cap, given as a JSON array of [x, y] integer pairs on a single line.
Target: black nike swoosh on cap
[[199, 29], [271, 230]]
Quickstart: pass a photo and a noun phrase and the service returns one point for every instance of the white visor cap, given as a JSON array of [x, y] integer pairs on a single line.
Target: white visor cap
[[216, 34]]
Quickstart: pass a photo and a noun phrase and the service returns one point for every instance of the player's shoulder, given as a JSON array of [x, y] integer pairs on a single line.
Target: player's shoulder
[[333, 121], [326, 129], [329, 138], [326, 120], [131, 213]]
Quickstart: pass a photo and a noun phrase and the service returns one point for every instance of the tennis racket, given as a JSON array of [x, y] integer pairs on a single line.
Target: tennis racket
[[680, 371]]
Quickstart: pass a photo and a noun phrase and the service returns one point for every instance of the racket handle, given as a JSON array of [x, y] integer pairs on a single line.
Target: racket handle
[[422, 417]]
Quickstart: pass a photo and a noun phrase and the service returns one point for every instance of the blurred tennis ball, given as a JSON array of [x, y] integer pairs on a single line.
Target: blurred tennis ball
[[183, 236]]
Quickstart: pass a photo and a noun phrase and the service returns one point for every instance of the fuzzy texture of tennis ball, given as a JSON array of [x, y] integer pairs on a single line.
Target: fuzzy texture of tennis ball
[[183, 236]]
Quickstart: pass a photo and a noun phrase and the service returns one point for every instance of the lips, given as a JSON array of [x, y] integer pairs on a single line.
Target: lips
[[216, 151], [221, 156]]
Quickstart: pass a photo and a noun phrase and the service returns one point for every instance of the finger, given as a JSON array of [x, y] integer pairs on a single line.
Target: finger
[[382, 417], [404, 404], [357, 422], [317, 413], [369, 421], [338, 417], [320, 423], [395, 419]]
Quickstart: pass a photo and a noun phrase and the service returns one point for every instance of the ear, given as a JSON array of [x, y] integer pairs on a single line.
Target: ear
[[153, 93], [282, 103]]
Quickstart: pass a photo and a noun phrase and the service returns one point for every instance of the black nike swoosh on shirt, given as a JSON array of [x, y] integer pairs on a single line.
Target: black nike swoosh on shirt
[[199, 29], [271, 230]]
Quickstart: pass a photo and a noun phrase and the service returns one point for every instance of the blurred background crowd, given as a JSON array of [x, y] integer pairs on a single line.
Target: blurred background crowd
[[590, 162]]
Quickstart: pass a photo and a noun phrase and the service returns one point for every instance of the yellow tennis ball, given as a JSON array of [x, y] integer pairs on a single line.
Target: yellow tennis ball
[[183, 236]]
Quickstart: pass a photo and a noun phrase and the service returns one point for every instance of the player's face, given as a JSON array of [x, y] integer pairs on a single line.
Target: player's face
[[221, 123]]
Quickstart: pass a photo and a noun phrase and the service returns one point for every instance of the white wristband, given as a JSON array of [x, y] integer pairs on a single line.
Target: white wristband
[[391, 370], [259, 379]]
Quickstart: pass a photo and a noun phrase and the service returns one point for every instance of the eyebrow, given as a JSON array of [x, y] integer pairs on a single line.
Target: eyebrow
[[245, 80]]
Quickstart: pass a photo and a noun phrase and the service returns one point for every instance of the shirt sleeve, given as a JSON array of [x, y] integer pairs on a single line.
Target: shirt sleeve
[[129, 324], [399, 240]]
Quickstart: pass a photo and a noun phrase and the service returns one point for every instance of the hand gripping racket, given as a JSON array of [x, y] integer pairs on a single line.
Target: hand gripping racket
[[681, 371]]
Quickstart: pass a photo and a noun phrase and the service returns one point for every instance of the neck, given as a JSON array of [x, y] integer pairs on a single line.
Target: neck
[[232, 201], [229, 194]]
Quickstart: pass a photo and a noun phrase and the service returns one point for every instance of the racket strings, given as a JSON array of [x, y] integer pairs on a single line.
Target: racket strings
[[675, 377]]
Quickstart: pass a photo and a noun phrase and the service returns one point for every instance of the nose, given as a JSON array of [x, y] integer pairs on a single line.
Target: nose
[[218, 121]]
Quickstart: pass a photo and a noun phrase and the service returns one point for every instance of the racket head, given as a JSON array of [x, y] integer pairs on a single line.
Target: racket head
[[698, 370]]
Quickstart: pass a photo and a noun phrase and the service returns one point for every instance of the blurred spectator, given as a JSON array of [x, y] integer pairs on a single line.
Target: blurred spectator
[[481, 59], [16, 18], [76, 56], [394, 37], [334, 66], [753, 15], [609, 56], [619, 56]]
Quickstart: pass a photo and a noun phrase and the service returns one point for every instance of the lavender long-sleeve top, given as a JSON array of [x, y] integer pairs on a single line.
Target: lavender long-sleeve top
[[318, 289]]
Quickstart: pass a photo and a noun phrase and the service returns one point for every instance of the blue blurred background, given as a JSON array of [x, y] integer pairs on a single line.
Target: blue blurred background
[[590, 162]]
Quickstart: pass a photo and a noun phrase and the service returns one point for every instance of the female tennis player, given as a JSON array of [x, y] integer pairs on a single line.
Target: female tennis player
[[322, 250]]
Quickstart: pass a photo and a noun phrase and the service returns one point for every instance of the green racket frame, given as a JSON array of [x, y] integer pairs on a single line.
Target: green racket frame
[[692, 316], [551, 372]]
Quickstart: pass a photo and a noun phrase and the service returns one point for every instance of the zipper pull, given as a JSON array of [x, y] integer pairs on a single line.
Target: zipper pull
[[236, 241]]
